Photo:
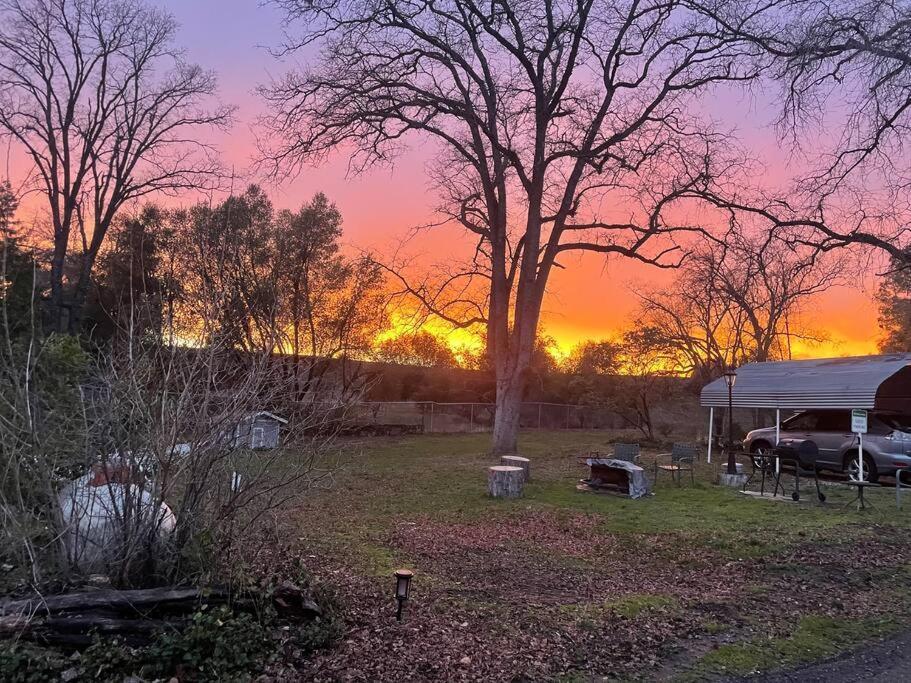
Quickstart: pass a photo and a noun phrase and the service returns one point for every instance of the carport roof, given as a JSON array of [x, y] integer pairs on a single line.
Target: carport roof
[[882, 382]]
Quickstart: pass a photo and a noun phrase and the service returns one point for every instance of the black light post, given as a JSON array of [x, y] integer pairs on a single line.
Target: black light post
[[402, 589], [730, 378]]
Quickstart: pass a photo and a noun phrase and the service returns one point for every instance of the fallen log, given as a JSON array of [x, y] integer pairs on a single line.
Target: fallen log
[[120, 600], [72, 619], [86, 623], [78, 630]]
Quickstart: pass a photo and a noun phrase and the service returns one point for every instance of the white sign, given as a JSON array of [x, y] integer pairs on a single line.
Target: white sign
[[859, 421]]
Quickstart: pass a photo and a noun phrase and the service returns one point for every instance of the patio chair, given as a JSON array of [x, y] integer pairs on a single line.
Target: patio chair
[[682, 457], [628, 452]]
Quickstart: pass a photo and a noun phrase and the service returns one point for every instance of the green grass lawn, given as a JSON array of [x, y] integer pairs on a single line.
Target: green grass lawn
[[692, 582]]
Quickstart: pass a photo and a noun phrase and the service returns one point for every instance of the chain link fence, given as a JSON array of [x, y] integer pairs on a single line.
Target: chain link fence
[[403, 417]]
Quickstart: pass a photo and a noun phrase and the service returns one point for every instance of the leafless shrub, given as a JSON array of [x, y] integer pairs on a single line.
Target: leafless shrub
[[138, 462]]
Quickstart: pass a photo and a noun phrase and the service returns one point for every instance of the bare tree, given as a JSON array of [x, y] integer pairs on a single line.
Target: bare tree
[[736, 302], [844, 66], [107, 110], [559, 127]]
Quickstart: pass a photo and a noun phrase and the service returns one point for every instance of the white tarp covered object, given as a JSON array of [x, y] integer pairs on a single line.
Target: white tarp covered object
[[93, 515], [638, 483]]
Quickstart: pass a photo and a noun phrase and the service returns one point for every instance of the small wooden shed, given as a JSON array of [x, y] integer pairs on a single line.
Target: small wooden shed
[[259, 430]]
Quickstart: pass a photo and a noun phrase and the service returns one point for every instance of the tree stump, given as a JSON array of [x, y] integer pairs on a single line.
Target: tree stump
[[517, 461], [504, 481]]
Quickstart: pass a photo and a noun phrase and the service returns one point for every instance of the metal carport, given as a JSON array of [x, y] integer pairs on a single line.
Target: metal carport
[[870, 382]]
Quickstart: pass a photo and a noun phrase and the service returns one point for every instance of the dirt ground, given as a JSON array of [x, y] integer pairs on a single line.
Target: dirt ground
[[693, 583]]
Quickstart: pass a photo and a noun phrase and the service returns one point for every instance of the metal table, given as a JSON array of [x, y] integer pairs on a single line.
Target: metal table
[[859, 498]]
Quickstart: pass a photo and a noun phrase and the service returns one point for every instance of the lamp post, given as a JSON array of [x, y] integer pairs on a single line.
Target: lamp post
[[402, 589], [730, 378]]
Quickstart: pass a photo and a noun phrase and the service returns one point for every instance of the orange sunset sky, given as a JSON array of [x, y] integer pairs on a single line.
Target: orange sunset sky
[[591, 298]]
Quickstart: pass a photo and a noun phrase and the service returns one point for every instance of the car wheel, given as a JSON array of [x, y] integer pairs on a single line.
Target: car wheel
[[870, 473]]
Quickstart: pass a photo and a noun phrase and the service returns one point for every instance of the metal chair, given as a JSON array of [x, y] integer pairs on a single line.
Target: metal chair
[[628, 452], [681, 455]]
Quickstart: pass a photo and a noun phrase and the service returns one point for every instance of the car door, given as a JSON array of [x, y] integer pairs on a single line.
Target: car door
[[803, 426], [832, 436], [800, 426]]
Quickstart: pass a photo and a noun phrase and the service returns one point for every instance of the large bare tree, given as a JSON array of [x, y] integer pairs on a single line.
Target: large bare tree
[[107, 109], [845, 71], [558, 126]]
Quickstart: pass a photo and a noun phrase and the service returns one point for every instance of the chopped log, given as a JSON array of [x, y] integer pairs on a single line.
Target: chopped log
[[504, 481], [517, 461]]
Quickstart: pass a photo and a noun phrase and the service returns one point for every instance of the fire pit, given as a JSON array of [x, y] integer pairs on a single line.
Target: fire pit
[[609, 475]]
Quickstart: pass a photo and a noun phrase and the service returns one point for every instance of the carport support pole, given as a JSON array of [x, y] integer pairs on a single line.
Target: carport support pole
[[777, 437], [711, 433]]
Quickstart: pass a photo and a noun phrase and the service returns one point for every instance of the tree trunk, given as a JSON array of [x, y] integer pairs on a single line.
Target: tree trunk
[[506, 418], [77, 304], [58, 320]]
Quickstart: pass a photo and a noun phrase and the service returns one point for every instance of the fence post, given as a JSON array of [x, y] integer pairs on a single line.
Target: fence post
[[539, 415], [566, 426], [432, 403], [471, 417]]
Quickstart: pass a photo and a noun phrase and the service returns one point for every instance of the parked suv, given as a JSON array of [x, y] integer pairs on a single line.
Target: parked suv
[[887, 443]]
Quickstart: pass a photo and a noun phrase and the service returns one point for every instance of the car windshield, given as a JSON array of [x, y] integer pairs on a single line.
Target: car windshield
[[895, 421]]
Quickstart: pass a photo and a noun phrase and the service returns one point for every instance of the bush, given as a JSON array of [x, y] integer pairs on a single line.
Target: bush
[[216, 645], [322, 631], [27, 664], [108, 660]]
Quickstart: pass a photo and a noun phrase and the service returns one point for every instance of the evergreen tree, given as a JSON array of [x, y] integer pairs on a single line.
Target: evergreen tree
[[894, 299]]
